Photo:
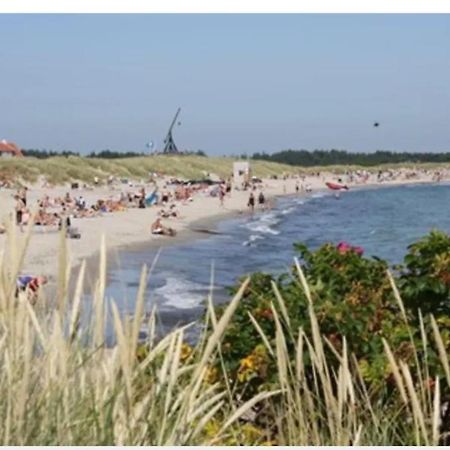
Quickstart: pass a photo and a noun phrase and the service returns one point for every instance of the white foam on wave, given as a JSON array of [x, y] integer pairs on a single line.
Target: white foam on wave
[[252, 238], [178, 292], [264, 224], [288, 210], [318, 195], [264, 229]]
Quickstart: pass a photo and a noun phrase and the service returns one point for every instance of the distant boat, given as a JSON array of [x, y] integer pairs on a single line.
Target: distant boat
[[336, 186]]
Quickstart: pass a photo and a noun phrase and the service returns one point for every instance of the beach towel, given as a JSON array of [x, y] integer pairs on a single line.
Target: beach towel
[[151, 199]]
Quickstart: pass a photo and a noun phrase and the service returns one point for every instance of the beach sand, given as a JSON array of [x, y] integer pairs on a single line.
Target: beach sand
[[132, 227]]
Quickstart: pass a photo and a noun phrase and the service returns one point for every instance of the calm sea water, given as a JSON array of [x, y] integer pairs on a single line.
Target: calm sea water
[[383, 221]]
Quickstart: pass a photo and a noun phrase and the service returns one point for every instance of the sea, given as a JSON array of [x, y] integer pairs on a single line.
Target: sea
[[383, 221]]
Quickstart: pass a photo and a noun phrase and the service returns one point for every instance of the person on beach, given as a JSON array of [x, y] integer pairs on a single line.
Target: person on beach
[[31, 285], [165, 197], [23, 195], [141, 200], [261, 200], [296, 188], [221, 194], [172, 212], [158, 228], [20, 208], [251, 202]]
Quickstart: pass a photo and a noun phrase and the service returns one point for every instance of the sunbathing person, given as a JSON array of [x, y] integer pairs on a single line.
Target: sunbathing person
[[171, 213], [158, 228], [44, 218], [87, 213], [31, 286]]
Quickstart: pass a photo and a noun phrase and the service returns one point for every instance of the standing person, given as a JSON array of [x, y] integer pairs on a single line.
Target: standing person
[[296, 187], [23, 195], [251, 202], [20, 208], [221, 194], [141, 202], [261, 200]]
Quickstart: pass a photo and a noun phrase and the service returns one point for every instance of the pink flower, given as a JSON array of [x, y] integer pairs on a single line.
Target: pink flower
[[344, 247], [358, 250]]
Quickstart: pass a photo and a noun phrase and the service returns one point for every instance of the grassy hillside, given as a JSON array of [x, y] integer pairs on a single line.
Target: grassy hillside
[[61, 169]]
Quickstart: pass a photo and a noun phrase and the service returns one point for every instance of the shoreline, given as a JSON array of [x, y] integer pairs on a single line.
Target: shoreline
[[130, 229], [187, 235], [112, 253]]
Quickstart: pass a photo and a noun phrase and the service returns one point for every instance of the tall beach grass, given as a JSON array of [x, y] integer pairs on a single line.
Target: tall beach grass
[[60, 384]]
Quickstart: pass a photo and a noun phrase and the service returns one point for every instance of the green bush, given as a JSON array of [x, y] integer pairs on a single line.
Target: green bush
[[424, 279], [352, 297]]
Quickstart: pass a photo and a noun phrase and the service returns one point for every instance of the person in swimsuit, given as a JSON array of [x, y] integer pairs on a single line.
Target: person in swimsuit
[[221, 194], [158, 228], [251, 202], [20, 208], [261, 200]]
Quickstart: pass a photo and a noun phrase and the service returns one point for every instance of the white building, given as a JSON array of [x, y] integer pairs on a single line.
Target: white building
[[241, 172]]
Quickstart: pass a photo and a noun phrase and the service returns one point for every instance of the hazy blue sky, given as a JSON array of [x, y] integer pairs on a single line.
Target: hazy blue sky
[[244, 82]]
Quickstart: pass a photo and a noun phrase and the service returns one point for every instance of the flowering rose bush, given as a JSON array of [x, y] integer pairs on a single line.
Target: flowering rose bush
[[352, 297]]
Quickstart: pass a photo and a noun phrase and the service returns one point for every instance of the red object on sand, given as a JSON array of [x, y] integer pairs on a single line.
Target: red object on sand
[[335, 186]]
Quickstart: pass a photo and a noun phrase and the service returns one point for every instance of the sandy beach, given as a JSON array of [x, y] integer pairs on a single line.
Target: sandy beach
[[132, 226]]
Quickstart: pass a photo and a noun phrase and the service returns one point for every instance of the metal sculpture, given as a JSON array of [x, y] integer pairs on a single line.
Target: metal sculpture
[[169, 144]]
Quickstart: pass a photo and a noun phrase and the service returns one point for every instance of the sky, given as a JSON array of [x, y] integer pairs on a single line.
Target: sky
[[245, 83]]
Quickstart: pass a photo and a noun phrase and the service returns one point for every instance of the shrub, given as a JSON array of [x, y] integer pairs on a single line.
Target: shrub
[[424, 279], [351, 296]]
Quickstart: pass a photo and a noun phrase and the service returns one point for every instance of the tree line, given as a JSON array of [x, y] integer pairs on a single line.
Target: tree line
[[303, 158], [103, 154], [343, 157]]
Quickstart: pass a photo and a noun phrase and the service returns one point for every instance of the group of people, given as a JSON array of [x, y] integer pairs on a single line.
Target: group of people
[[252, 200]]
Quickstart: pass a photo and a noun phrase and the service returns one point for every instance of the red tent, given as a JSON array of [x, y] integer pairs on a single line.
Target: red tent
[[9, 148]]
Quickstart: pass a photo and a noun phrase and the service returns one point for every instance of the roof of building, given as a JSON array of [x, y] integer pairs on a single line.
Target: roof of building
[[10, 147]]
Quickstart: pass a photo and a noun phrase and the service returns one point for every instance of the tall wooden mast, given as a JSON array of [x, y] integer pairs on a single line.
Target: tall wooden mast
[[169, 144]]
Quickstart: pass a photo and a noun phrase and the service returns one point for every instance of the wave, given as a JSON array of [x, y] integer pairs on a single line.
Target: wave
[[288, 210], [181, 293], [252, 238], [264, 223], [262, 228], [319, 195]]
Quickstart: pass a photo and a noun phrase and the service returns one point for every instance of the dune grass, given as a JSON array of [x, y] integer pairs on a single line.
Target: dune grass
[[58, 170], [60, 385]]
